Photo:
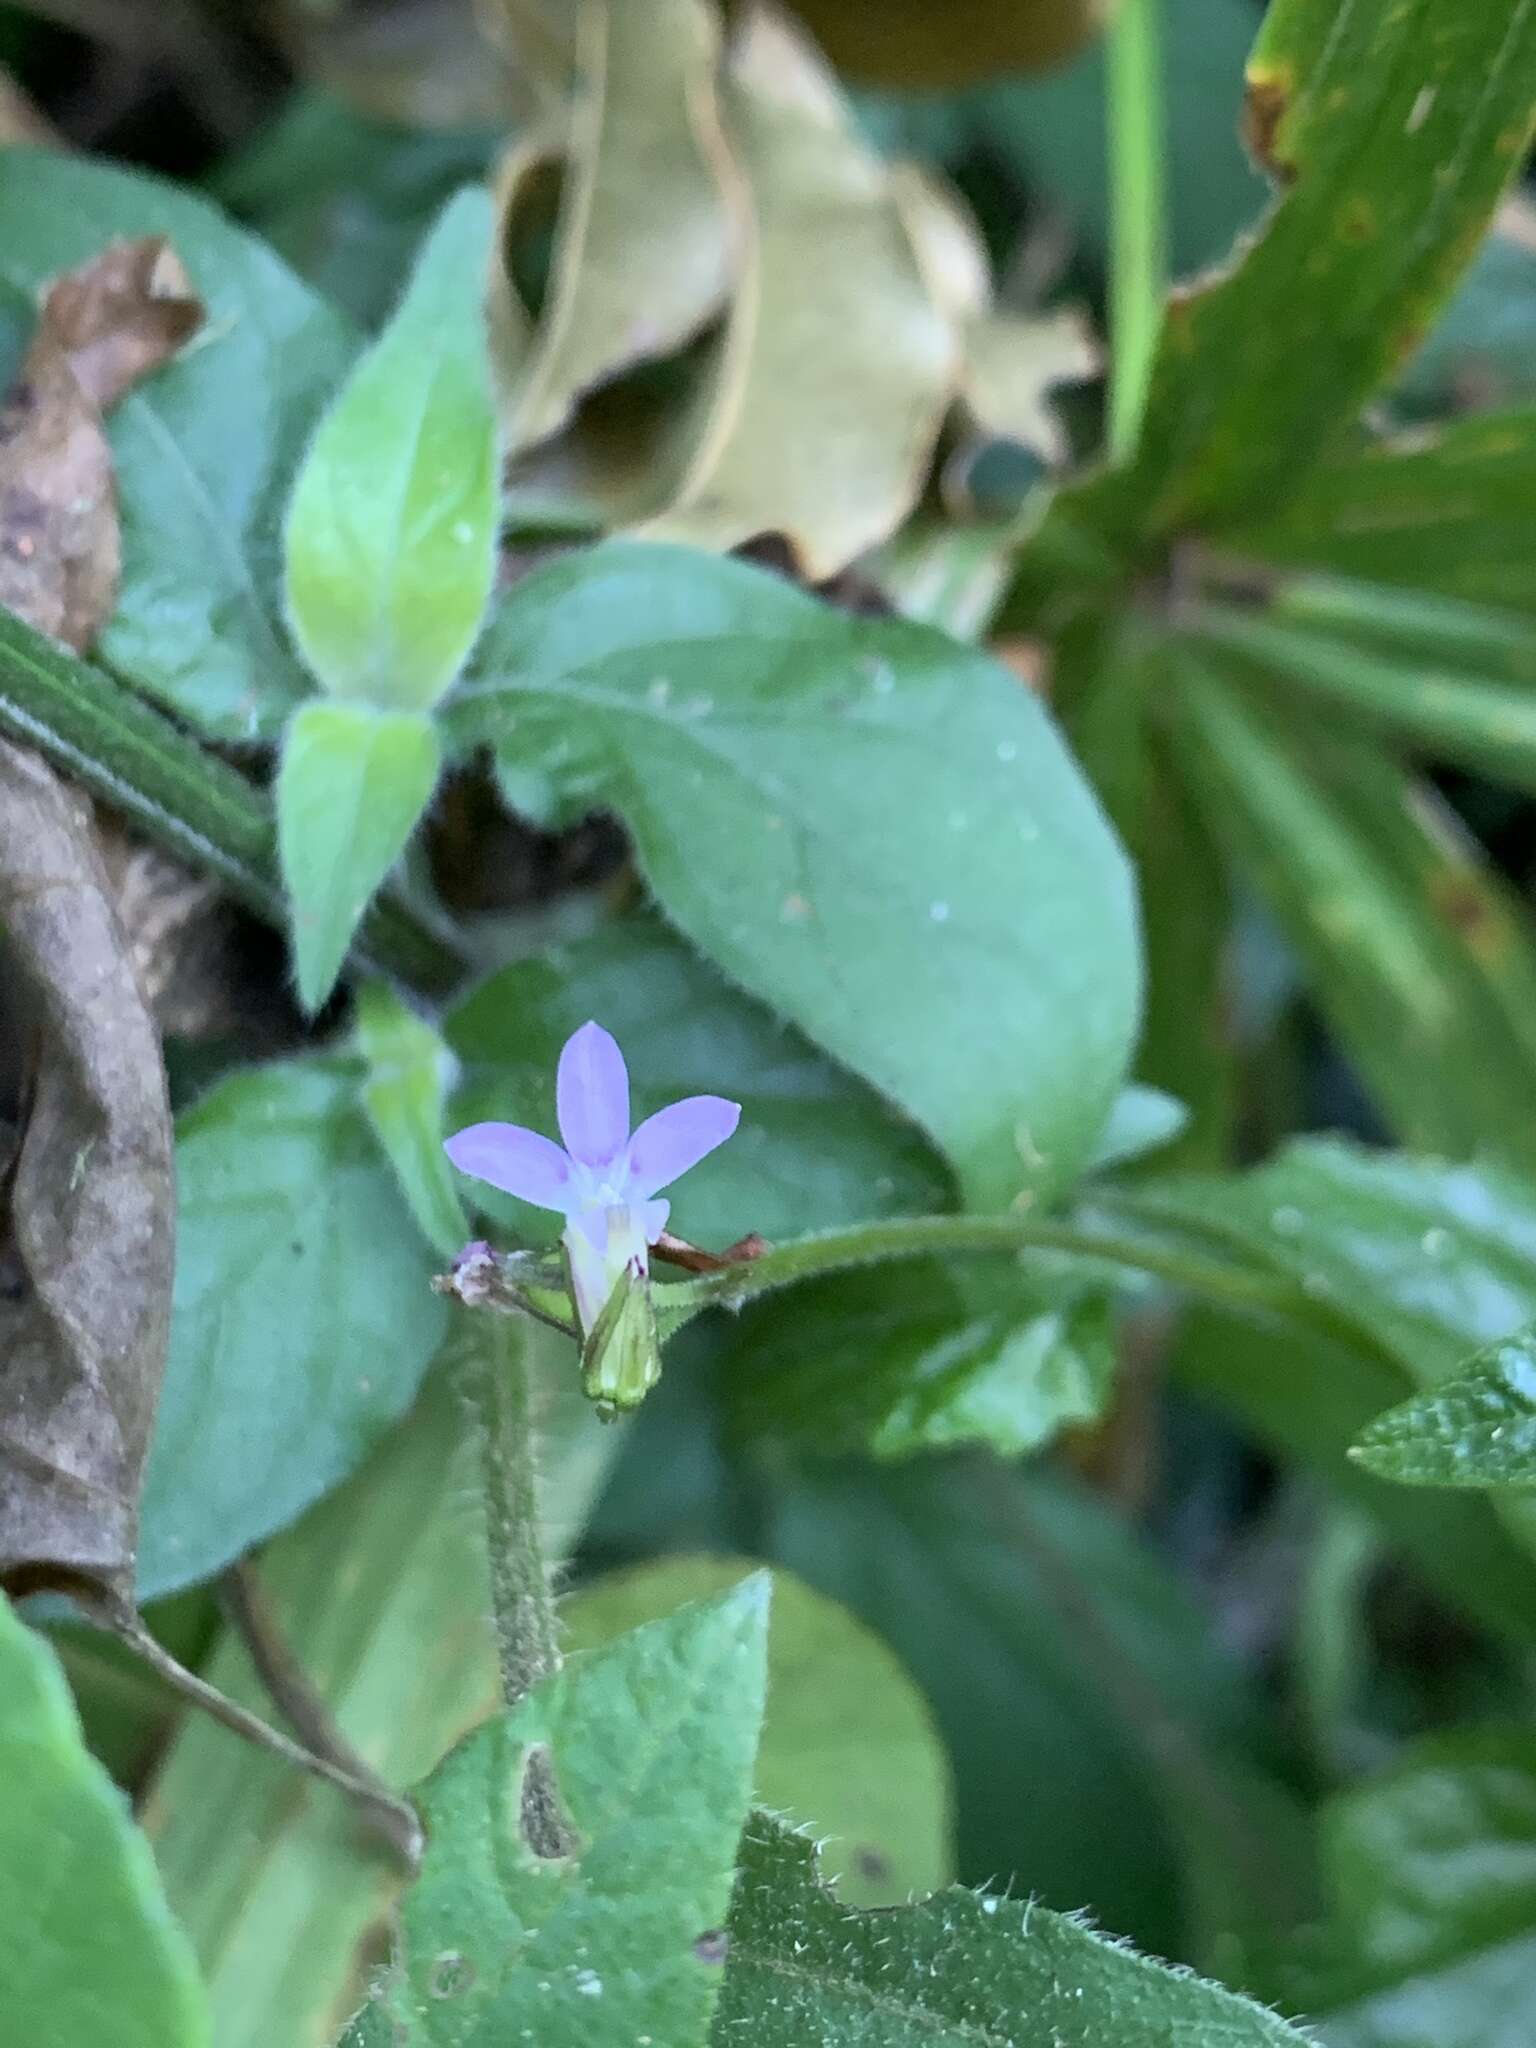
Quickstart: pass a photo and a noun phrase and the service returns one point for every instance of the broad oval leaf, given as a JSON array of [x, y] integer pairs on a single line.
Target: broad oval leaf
[[304, 1316], [203, 451], [351, 789], [648, 1745], [88, 1948], [957, 1971], [848, 1745], [390, 543], [1476, 1429], [871, 828], [814, 1146]]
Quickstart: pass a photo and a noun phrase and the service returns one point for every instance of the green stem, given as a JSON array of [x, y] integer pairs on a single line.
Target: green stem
[[1138, 261], [496, 1381], [910, 1237], [185, 798]]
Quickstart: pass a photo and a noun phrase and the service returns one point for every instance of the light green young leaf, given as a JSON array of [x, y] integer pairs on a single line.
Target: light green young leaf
[[383, 1593], [1431, 1874], [409, 1069], [609, 1933], [866, 825], [1142, 1120], [848, 1747], [815, 1147], [303, 1320], [957, 1971], [392, 529], [351, 789], [923, 1356], [88, 1949], [202, 449], [1476, 1429]]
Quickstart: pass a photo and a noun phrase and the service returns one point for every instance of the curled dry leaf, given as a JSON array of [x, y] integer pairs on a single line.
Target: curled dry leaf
[[87, 1246], [101, 329], [837, 364], [642, 255]]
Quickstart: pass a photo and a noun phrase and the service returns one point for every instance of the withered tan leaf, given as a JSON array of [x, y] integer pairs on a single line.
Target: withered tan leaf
[[838, 363], [642, 251], [101, 329], [88, 1231]]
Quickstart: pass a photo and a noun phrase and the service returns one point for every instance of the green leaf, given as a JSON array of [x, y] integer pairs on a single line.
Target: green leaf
[[832, 378], [814, 1148], [1474, 720], [1421, 959], [1037, 127], [647, 1746], [925, 1355], [1086, 1707], [351, 789], [958, 1971], [1437, 511], [848, 1744], [1142, 1120], [1480, 348], [88, 1949], [1427, 1261], [1476, 1429], [409, 1068], [202, 449], [1431, 1869], [303, 1318], [390, 543], [642, 256], [383, 1594], [1308, 1401], [865, 825], [1393, 130]]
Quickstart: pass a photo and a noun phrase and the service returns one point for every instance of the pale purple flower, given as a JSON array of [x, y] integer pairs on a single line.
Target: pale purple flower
[[605, 1181]]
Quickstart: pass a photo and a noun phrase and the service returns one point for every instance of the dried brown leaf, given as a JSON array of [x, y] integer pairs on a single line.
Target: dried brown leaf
[[834, 374], [101, 329], [87, 1261]]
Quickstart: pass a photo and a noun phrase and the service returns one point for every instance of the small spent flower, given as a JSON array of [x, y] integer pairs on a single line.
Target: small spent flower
[[605, 1180]]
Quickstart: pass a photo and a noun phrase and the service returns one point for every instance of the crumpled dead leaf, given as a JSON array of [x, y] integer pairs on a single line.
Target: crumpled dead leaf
[[102, 327], [86, 1250], [834, 373], [642, 250]]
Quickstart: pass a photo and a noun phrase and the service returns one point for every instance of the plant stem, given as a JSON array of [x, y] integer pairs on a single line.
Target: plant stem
[[249, 1612], [495, 1377], [393, 1818], [186, 799], [1138, 260], [910, 1237]]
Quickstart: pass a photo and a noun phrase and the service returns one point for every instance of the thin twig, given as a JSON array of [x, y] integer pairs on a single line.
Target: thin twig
[[249, 1612], [392, 1817]]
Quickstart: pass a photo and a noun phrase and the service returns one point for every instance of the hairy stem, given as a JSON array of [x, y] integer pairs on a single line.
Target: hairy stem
[[495, 1378], [186, 799]]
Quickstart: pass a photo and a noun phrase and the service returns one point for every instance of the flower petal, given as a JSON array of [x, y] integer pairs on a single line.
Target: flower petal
[[518, 1162], [592, 1096], [678, 1137]]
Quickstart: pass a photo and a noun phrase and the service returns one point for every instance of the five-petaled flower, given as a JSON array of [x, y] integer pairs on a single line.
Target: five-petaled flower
[[605, 1181]]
